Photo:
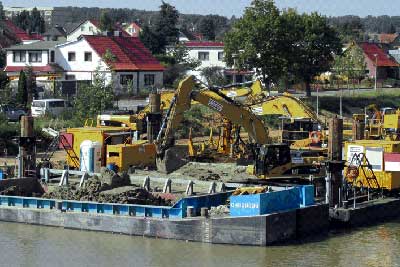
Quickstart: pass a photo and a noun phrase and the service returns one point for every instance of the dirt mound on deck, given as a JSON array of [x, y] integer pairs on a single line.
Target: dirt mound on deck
[[97, 190]]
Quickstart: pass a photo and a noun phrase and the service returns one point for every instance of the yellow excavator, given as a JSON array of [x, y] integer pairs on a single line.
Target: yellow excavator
[[269, 159]]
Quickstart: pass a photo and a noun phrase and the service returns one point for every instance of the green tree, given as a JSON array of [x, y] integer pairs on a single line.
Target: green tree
[[2, 15], [2, 58], [150, 39], [256, 41], [93, 99], [207, 28], [214, 76], [5, 89], [351, 64], [166, 24], [30, 21], [314, 52], [22, 93], [37, 23], [392, 28], [163, 32], [177, 64], [106, 22], [30, 84]]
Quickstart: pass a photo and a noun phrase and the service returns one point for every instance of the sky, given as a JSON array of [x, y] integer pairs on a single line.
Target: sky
[[233, 7]]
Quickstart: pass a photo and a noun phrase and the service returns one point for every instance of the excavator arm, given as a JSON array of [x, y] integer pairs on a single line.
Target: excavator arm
[[285, 105], [268, 159], [231, 110]]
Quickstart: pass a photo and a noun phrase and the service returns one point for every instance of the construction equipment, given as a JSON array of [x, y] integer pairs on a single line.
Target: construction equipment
[[382, 157], [360, 163], [123, 156], [269, 159], [73, 138], [284, 105], [136, 122]]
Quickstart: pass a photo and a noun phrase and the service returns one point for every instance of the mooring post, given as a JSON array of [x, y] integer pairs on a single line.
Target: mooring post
[[146, 183], [167, 186], [334, 164], [64, 178], [27, 151], [189, 188], [46, 174], [84, 177], [212, 188]]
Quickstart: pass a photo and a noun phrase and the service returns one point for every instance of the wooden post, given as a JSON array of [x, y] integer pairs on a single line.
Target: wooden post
[[335, 139], [27, 145], [334, 164], [154, 117], [358, 130]]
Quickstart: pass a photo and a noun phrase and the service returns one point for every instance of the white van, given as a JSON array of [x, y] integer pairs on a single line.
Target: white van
[[48, 107]]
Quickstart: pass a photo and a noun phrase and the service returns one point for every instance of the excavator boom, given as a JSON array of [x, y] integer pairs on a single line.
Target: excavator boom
[[222, 104]]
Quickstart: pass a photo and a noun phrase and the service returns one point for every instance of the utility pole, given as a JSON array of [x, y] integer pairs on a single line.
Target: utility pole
[[376, 70], [341, 103], [317, 101]]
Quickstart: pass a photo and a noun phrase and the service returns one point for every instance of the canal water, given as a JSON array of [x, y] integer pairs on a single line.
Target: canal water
[[26, 245]]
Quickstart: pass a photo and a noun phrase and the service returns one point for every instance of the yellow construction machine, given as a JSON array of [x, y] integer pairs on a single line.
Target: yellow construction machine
[[269, 159], [301, 128]]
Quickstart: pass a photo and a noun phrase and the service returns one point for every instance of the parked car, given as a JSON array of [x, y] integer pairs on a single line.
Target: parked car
[[12, 113], [51, 106]]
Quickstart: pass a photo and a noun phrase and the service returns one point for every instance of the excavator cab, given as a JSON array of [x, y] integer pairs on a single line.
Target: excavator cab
[[272, 160]]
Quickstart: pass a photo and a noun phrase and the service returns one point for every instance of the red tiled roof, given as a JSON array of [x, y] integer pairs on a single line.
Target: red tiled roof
[[20, 33], [387, 38], [382, 59], [129, 52], [134, 24], [47, 68], [203, 44]]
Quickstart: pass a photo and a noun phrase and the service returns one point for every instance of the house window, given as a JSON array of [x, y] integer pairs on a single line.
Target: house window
[[204, 56], [52, 56], [82, 28], [19, 56], [69, 77], [88, 56], [125, 79], [91, 28], [71, 56], [220, 56], [149, 79], [35, 56]]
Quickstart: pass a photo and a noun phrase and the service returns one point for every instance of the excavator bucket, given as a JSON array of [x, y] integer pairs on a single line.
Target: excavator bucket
[[172, 159]]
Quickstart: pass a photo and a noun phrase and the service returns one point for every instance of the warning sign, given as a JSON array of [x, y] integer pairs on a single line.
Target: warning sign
[[353, 149]]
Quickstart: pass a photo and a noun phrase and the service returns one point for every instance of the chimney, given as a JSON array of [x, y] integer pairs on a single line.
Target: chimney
[[108, 33]]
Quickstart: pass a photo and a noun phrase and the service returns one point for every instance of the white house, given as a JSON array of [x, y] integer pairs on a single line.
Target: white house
[[39, 55], [133, 29], [90, 27], [210, 54], [130, 66]]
